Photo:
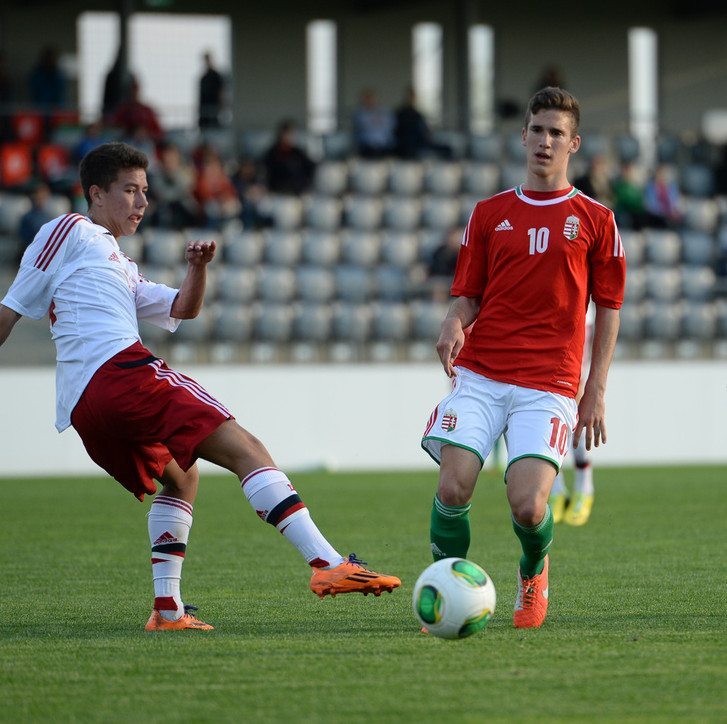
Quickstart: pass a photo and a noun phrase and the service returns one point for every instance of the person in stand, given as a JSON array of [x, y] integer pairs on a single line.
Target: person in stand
[[530, 260], [211, 94], [288, 168], [373, 127], [140, 420]]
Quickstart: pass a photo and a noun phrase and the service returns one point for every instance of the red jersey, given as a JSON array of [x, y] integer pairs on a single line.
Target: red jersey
[[535, 259]]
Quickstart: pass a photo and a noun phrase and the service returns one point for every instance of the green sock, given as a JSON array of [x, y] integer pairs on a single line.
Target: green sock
[[535, 542], [449, 530]]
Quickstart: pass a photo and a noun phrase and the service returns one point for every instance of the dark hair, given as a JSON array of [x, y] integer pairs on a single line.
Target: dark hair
[[554, 99], [101, 166]]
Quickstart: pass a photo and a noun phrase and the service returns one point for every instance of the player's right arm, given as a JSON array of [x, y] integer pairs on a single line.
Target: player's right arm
[[8, 318], [462, 313]]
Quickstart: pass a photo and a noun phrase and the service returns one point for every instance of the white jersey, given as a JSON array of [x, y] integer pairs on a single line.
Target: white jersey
[[74, 272]]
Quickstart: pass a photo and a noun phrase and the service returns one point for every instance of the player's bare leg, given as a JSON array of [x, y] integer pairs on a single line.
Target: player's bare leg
[[275, 500], [529, 481]]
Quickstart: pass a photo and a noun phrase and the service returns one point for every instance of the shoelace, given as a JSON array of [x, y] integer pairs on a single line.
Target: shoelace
[[189, 608], [352, 559], [528, 594]]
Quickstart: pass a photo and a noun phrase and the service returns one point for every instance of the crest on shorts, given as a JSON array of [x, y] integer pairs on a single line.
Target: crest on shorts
[[449, 420], [572, 227]]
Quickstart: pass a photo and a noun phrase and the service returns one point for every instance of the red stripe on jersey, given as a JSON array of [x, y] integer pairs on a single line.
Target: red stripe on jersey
[[59, 235], [253, 474], [52, 236]]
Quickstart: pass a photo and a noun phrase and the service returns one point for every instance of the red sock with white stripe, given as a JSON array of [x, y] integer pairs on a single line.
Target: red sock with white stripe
[[276, 501], [169, 522]]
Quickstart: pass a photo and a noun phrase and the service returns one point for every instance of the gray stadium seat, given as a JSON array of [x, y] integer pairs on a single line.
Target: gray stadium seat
[[351, 322], [698, 282], [337, 145], [406, 178], [254, 143], [331, 178], [633, 243], [426, 320], [720, 309], [635, 285], [320, 248], [276, 284], [466, 207], [662, 247], [312, 323], [222, 140], [212, 277], [697, 180], [285, 211], [360, 248], [399, 249], [353, 283], [392, 283], [243, 248], [511, 175], [12, 208], [402, 212], [363, 212], [701, 214], [429, 240], [198, 329], [668, 149], [631, 326], [594, 144], [662, 321], [443, 178], [315, 284], [698, 247], [514, 148], [487, 148], [185, 139], [391, 322], [160, 274], [236, 284], [440, 212], [282, 248], [627, 149], [232, 323], [699, 320], [323, 212], [57, 205], [454, 140], [273, 322], [481, 179], [368, 177], [133, 247], [663, 284]]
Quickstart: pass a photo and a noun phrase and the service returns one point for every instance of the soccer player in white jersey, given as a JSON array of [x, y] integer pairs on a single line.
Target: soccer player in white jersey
[[530, 260], [576, 509], [138, 419]]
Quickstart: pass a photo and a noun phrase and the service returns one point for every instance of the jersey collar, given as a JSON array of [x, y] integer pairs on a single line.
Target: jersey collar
[[545, 202]]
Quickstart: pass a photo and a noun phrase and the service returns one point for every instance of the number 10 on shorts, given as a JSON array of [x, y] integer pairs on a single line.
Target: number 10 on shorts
[[559, 435]]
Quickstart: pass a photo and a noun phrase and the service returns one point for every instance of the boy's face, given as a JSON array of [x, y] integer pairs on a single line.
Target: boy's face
[[121, 208], [550, 140]]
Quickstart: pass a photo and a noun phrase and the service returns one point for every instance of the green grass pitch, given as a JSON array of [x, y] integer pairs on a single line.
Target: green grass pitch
[[636, 628]]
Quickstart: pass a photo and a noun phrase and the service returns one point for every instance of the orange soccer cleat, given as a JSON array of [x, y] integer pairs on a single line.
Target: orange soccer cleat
[[351, 577], [157, 622], [531, 604]]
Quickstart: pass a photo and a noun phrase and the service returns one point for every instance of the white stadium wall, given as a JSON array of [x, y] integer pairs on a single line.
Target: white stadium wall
[[371, 417]]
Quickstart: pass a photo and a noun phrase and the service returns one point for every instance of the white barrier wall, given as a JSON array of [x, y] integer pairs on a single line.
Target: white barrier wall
[[372, 416]]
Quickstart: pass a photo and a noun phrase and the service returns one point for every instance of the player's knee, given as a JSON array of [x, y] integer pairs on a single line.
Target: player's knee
[[454, 492], [527, 513]]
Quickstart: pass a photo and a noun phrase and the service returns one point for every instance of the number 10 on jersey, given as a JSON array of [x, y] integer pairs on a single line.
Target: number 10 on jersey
[[538, 239]]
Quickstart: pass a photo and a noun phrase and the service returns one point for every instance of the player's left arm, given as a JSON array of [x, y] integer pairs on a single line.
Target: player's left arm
[[190, 297], [8, 319]]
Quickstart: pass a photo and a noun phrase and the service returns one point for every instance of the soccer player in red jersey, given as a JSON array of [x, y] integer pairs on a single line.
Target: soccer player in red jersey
[[531, 259], [138, 419]]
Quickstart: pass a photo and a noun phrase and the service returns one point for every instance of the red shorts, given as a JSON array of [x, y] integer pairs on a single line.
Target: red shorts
[[136, 415]]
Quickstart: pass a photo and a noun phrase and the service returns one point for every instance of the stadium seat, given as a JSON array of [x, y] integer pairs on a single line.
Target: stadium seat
[[273, 322], [282, 248], [368, 177], [9, 253], [720, 309], [391, 283], [243, 248], [160, 274], [512, 175], [12, 209], [698, 247], [628, 149], [360, 248], [401, 212], [323, 212], [456, 141], [163, 247], [699, 320], [58, 204], [285, 211], [399, 249], [662, 247], [320, 248], [515, 150], [315, 284], [54, 163], [406, 178], [185, 139], [198, 329], [429, 240], [213, 272], [132, 246], [363, 212], [701, 214], [668, 149], [663, 284], [662, 321], [635, 285], [486, 148], [631, 319], [351, 322], [331, 178], [440, 212], [312, 323], [595, 144], [698, 282], [480, 179], [466, 207], [426, 320], [443, 178], [391, 322], [237, 285], [275, 284], [16, 164], [254, 143], [633, 243], [697, 180], [232, 323], [353, 283], [221, 140], [28, 127], [337, 145]]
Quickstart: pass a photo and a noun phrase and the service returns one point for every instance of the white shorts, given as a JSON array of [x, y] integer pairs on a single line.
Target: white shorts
[[535, 423]]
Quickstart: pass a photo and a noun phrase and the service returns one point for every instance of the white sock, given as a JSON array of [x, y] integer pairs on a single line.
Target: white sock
[[584, 472], [559, 485], [276, 501], [170, 520]]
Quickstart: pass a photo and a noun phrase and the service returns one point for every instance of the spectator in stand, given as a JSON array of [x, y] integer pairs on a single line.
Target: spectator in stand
[[662, 200], [39, 213], [597, 182], [373, 127], [116, 87], [628, 192], [93, 137], [132, 114], [413, 137], [211, 94], [172, 191], [440, 270], [288, 168], [47, 81], [251, 191], [214, 191]]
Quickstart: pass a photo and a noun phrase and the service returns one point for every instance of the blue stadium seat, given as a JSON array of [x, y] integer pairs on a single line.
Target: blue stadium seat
[[133, 247], [406, 178], [481, 179], [443, 178], [426, 320], [282, 248], [273, 322], [391, 322], [320, 248], [312, 323], [276, 284], [697, 282], [243, 248], [254, 143], [368, 177], [351, 322], [331, 178], [198, 329], [628, 149], [363, 212], [402, 212], [663, 284], [698, 248], [285, 211], [699, 320], [662, 247], [163, 247], [631, 321], [662, 321], [635, 285], [634, 245], [232, 323], [440, 212], [353, 283], [486, 148], [236, 285], [315, 284], [697, 180], [360, 248], [701, 214], [323, 212], [399, 249]]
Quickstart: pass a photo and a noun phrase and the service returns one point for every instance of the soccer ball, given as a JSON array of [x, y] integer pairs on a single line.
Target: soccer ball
[[454, 598]]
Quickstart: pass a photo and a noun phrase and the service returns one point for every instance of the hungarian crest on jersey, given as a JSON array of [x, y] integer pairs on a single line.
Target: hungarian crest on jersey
[[572, 227], [449, 420]]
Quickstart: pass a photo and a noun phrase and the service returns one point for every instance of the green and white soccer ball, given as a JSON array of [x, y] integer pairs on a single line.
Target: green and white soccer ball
[[454, 598]]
